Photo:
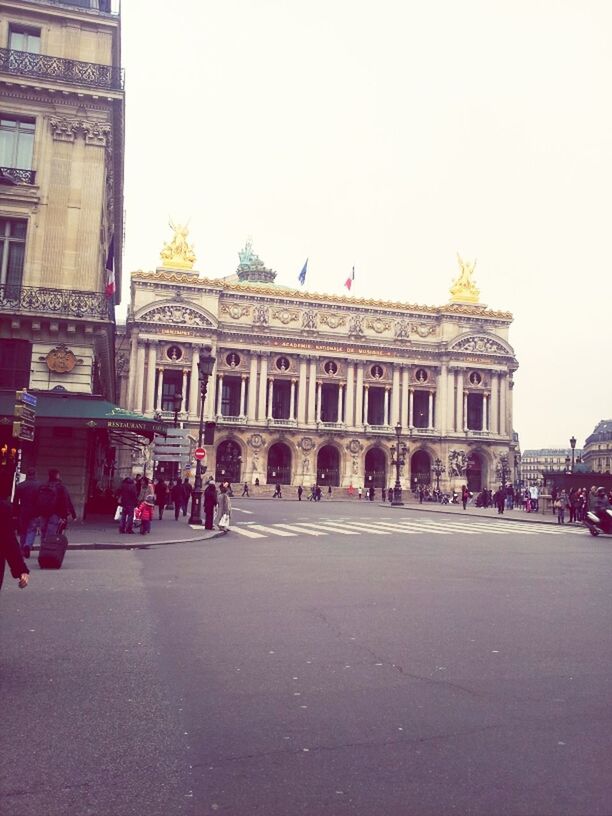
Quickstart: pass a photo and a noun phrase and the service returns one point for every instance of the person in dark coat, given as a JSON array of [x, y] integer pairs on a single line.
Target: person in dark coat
[[9, 547], [128, 499], [24, 510], [55, 516], [187, 491], [210, 502], [178, 497], [161, 496], [500, 499]]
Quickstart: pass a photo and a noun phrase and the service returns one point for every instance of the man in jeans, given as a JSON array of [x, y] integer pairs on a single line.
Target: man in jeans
[[24, 509], [53, 505]]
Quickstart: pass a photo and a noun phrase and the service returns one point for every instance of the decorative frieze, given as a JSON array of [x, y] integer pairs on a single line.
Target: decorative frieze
[[285, 316], [334, 321], [66, 129], [236, 310]]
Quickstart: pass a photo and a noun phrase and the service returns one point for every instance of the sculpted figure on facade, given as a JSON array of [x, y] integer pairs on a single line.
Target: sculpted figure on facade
[[309, 319], [356, 325], [178, 254], [457, 462], [464, 290], [484, 345], [402, 329], [261, 316], [177, 315]]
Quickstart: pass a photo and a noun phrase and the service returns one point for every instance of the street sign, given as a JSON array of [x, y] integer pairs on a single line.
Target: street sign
[[199, 454], [25, 416], [25, 413], [25, 398], [23, 431]]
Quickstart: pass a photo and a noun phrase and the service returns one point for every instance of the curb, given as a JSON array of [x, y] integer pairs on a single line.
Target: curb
[[497, 516], [135, 546]]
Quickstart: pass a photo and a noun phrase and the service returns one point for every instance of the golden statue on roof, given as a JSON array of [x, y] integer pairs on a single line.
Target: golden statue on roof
[[178, 254], [464, 290]]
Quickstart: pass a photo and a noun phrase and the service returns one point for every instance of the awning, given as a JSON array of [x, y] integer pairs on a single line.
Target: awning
[[65, 409]]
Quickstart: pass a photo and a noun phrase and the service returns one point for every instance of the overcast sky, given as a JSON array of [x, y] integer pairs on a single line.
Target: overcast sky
[[389, 136]]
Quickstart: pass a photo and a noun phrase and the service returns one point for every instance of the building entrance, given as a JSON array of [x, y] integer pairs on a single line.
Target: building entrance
[[375, 468], [328, 467], [420, 469], [279, 464]]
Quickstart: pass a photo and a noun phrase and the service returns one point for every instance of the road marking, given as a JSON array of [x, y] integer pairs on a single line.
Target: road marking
[[366, 528], [241, 510], [273, 530], [245, 531], [332, 528], [421, 528], [294, 528], [396, 528]]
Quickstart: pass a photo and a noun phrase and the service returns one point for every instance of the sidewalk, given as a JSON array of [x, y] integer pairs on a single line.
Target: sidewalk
[[485, 513], [104, 535]]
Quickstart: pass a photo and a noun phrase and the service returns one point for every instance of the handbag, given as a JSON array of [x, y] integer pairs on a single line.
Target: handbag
[[118, 513], [224, 522]]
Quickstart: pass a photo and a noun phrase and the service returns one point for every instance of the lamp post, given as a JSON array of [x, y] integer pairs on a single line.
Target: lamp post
[[205, 369], [438, 469], [573, 445], [399, 451], [177, 399], [567, 464], [503, 468]]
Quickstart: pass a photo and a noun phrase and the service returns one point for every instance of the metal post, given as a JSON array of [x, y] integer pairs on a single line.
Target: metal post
[[399, 457], [573, 445], [196, 496]]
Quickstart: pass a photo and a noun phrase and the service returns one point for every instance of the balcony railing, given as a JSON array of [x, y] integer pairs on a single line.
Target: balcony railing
[[235, 420], [286, 423], [55, 302], [74, 72], [96, 5], [17, 175]]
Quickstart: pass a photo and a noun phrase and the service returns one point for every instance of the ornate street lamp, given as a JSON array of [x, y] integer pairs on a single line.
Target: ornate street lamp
[[438, 469], [177, 399], [399, 451], [573, 444], [206, 365]]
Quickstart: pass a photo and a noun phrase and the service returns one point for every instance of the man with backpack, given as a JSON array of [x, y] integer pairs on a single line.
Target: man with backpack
[[53, 505]]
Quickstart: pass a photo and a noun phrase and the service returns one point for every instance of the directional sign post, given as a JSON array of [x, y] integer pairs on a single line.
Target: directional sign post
[[25, 416]]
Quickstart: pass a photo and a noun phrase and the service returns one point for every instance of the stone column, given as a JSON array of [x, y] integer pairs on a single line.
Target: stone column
[[510, 406], [441, 397], [140, 368], [219, 394], [359, 395], [405, 413], [301, 413], [465, 411], [460, 414], [340, 395], [263, 385], [211, 394], [319, 395], [160, 387], [494, 423], [411, 408], [503, 419], [349, 403], [133, 370], [450, 401], [366, 403], [184, 390], [292, 401], [430, 409], [243, 395], [312, 393], [395, 397], [386, 408], [271, 398], [194, 386], [152, 359], [252, 397], [485, 412]]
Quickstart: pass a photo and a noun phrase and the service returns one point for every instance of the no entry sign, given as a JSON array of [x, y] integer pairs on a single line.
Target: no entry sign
[[200, 454]]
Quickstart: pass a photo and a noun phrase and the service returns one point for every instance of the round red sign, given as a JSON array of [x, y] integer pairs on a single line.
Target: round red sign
[[200, 454]]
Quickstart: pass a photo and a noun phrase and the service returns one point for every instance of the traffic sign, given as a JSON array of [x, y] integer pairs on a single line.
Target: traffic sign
[[23, 431], [25, 413], [26, 399], [199, 454]]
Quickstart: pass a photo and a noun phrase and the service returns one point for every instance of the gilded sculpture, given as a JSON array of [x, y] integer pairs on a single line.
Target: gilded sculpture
[[464, 290], [178, 254]]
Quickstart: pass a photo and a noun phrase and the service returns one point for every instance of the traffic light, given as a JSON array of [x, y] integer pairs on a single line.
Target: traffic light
[[209, 433]]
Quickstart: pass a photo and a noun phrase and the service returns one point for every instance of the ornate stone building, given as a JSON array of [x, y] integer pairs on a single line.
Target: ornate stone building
[[310, 387], [597, 454]]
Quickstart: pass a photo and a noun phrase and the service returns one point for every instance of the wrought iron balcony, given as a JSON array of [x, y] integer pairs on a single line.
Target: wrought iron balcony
[[95, 5], [17, 175], [55, 302], [58, 69], [234, 420]]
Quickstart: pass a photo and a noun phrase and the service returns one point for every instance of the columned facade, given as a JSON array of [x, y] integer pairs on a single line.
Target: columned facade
[[299, 375]]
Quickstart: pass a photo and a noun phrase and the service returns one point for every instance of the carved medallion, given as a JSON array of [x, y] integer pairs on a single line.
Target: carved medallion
[[334, 321], [285, 315], [378, 324], [61, 359], [306, 444], [235, 310]]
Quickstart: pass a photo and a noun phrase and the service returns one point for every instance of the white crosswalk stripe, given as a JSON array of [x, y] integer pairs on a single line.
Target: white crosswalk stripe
[[295, 529], [244, 531], [331, 528], [274, 530]]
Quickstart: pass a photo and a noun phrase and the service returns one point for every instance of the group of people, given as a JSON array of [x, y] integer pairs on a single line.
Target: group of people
[[578, 501], [137, 499]]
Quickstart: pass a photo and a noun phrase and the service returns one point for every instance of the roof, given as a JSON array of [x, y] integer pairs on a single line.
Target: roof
[[67, 409], [602, 432]]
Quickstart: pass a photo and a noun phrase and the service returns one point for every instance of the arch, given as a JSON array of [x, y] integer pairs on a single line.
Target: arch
[[475, 471], [420, 468], [375, 467], [176, 313], [482, 343], [228, 466], [328, 466], [279, 464]]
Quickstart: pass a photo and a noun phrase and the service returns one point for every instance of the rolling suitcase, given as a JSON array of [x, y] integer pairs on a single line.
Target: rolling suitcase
[[52, 552]]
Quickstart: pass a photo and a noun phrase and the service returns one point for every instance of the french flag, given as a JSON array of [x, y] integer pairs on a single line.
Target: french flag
[[349, 281], [110, 269]]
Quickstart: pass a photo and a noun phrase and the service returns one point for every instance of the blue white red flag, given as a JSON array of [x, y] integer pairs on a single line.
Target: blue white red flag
[[302, 275], [349, 281]]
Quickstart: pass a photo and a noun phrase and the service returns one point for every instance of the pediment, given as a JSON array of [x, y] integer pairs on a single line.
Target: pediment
[[481, 344], [176, 313]]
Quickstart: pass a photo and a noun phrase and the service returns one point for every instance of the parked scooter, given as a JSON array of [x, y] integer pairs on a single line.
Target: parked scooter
[[599, 525]]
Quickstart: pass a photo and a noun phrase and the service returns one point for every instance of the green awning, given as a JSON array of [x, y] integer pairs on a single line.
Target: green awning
[[65, 409]]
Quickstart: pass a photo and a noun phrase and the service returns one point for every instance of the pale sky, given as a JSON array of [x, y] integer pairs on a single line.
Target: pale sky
[[389, 136]]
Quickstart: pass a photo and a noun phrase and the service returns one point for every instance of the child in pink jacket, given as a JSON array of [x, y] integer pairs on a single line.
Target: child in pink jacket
[[145, 513]]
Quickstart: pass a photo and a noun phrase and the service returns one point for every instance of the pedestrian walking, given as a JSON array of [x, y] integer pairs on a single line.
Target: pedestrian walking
[[9, 548], [128, 499], [178, 497], [145, 513], [465, 495], [318, 493], [53, 505], [277, 491], [187, 491], [371, 493], [161, 496], [24, 510], [389, 494], [384, 494], [210, 502], [145, 489], [224, 510], [300, 490], [500, 500], [561, 506], [359, 492], [329, 491], [245, 489]]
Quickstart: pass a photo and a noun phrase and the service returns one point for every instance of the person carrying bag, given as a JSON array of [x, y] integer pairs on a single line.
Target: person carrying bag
[[224, 510]]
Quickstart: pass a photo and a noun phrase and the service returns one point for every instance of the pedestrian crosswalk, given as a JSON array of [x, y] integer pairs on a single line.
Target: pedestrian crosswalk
[[388, 526]]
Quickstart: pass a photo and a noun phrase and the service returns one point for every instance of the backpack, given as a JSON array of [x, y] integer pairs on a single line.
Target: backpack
[[46, 500]]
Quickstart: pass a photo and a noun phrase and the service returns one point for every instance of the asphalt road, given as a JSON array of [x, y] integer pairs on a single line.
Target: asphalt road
[[392, 664]]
